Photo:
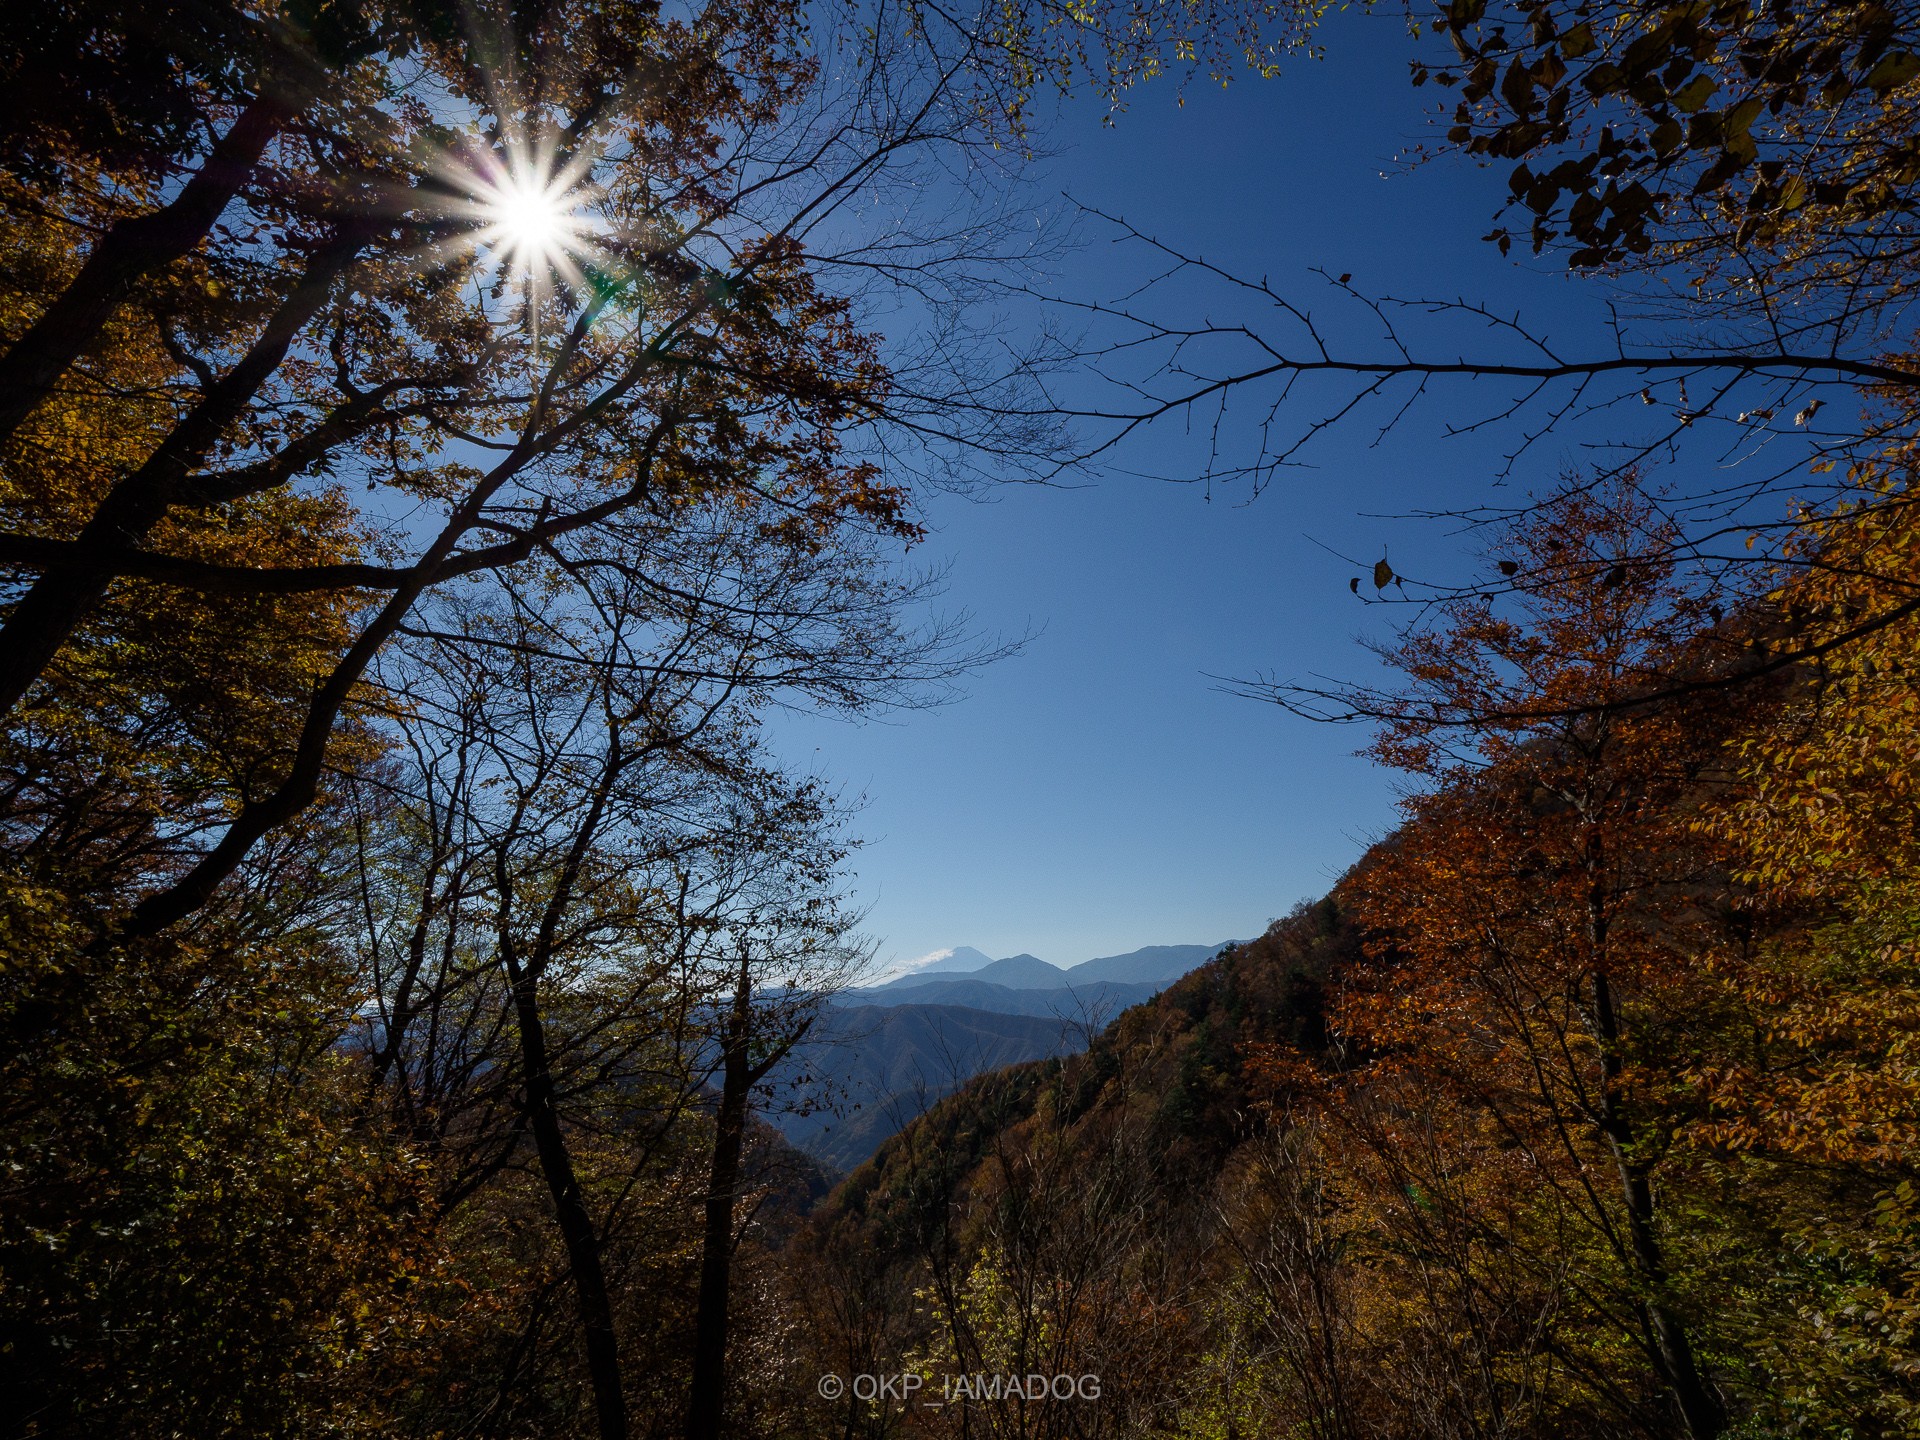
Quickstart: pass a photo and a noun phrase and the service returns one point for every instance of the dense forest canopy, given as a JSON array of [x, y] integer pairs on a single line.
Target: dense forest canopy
[[435, 438]]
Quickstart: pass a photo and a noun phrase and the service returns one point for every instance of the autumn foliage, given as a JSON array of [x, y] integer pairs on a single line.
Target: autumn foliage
[[1583, 1105], [402, 910]]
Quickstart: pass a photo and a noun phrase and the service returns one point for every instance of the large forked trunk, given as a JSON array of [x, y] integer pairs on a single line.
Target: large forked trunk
[[570, 1212], [716, 1250]]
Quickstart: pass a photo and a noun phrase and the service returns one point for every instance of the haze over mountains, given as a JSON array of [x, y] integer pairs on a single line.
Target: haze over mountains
[[868, 1071], [884, 1053]]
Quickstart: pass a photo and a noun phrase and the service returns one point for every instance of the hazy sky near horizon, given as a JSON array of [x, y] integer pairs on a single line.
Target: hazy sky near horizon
[[1098, 791]]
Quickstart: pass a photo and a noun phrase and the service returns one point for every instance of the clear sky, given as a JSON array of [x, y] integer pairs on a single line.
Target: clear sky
[[1097, 792]]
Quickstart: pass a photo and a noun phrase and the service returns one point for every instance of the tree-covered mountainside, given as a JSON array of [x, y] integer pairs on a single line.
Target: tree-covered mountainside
[[1172, 1075], [864, 1071], [1586, 1103], [1184, 1054], [876, 1057]]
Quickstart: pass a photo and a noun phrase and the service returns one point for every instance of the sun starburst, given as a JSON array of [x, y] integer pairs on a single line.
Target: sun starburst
[[532, 211]]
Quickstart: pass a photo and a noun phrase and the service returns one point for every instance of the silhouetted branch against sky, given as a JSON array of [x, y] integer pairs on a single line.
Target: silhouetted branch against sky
[[1240, 380]]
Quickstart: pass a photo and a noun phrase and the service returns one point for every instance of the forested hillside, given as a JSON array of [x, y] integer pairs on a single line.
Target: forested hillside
[[1186, 1049], [1585, 1104], [864, 1071]]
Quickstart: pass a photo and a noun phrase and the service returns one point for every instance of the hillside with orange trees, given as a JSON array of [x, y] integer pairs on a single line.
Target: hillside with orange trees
[[1585, 1104]]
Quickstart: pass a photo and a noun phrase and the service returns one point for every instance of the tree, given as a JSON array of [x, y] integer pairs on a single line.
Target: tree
[[560, 883], [784, 944], [1543, 919], [1664, 114], [670, 342]]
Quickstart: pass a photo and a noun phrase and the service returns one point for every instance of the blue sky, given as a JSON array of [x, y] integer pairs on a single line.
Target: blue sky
[[1097, 792]]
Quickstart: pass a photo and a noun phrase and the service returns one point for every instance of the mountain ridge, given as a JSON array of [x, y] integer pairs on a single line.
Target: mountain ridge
[[883, 1053], [1150, 963], [1102, 998]]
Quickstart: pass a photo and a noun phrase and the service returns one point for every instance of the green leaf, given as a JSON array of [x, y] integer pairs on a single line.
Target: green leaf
[[1740, 118], [1893, 71], [1695, 93]]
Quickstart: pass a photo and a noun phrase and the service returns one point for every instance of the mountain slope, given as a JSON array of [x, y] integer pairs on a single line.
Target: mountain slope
[[1022, 972], [1017, 972], [883, 1054], [1077, 1201], [1170, 1071], [867, 1070], [1151, 964]]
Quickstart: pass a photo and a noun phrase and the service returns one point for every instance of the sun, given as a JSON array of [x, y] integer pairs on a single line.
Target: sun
[[530, 213], [531, 221]]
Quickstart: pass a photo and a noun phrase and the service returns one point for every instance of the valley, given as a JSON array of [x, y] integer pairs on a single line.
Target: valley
[[880, 1055]]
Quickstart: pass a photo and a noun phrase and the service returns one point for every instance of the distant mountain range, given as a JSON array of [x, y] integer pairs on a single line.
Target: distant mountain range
[[1101, 999], [1153, 964], [1020, 972], [882, 1054]]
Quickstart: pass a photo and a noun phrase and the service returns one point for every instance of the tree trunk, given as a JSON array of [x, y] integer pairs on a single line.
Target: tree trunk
[[1700, 1409], [570, 1211], [708, 1389]]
